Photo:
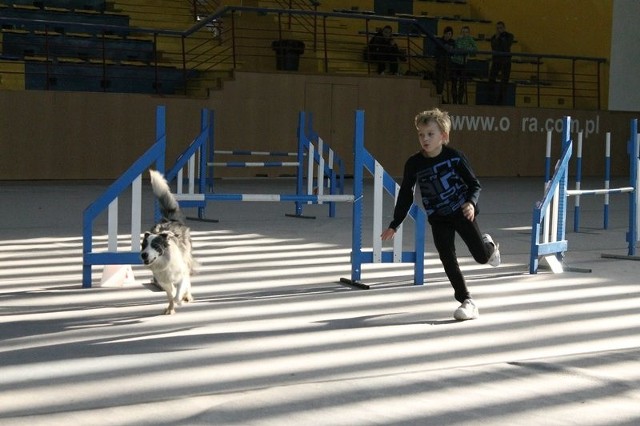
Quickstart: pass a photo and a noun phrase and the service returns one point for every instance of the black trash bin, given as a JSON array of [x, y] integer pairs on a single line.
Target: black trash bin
[[288, 54]]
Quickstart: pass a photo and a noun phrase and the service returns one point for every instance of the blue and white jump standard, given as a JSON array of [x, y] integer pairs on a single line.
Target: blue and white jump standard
[[548, 239], [383, 182]]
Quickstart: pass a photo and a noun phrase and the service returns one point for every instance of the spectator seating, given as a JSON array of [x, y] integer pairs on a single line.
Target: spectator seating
[[52, 46], [72, 76], [75, 45], [66, 21], [97, 5]]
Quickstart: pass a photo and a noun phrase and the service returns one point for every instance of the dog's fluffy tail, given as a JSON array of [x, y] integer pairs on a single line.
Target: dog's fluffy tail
[[168, 204]]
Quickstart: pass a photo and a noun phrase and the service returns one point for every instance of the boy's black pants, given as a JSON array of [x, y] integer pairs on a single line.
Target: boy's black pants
[[444, 229]]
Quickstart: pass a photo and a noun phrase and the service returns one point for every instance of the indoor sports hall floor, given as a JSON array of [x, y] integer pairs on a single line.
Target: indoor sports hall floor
[[273, 338]]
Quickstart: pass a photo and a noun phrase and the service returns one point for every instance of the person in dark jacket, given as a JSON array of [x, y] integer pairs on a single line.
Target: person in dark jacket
[[445, 45], [449, 190], [383, 51], [501, 43]]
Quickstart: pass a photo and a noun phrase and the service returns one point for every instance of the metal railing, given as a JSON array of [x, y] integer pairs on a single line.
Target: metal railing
[[107, 57]]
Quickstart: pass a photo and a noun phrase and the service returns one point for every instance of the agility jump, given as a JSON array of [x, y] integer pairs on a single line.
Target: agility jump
[[324, 167], [548, 238], [194, 154], [324, 173], [606, 191]]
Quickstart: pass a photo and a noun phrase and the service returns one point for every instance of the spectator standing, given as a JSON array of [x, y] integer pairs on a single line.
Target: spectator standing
[[501, 43], [444, 47], [465, 46]]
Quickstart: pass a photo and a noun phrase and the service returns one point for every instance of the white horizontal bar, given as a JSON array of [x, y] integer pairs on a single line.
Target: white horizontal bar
[[600, 191], [240, 164], [189, 197]]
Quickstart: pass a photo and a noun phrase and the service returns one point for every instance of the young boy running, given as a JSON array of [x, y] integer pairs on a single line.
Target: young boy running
[[449, 190]]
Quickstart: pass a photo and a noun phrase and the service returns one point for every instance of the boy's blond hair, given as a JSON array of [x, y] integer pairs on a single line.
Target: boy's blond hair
[[441, 118]]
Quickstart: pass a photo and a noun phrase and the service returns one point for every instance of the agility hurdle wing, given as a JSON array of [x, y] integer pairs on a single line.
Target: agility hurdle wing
[[383, 182], [548, 238], [549, 214], [132, 178]]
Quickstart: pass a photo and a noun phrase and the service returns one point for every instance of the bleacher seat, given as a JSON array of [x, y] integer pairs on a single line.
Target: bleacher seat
[[86, 77], [20, 44], [97, 5], [65, 21]]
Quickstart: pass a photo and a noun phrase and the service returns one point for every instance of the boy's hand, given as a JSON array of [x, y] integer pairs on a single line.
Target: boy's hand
[[388, 234], [468, 210]]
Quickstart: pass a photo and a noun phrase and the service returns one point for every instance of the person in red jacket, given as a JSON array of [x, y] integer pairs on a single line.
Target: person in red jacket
[[449, 190]]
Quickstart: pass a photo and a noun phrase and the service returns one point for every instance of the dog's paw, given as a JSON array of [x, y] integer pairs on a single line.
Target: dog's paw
[[186, 298], [169, 311]]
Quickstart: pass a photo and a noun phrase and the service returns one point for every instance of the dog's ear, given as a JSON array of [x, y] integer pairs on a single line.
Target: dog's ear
[[146, 234]]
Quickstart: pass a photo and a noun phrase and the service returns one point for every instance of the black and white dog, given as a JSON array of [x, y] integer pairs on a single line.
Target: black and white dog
[[166, 248]]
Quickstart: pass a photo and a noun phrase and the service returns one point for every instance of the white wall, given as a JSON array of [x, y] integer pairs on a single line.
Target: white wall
[[624, 70]]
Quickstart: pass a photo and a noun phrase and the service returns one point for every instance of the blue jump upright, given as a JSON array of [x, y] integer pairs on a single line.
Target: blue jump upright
[[550, 214], [132, 178], [382, 181], [634, 179]]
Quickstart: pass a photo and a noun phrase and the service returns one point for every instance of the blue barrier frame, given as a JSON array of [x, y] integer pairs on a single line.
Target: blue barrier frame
[[155, 154], [632, 149], [306, 136], [560, 181], [364, 160], [199, 147]]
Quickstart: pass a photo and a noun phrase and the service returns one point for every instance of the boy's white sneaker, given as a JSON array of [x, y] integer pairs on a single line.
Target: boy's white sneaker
[[467, 311], [494, 260]]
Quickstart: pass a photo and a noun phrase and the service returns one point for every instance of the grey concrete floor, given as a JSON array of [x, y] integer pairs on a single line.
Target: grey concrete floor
[[273, 338]]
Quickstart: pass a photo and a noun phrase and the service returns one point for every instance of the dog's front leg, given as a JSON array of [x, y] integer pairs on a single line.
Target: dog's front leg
[[171, 308], [183, 292]]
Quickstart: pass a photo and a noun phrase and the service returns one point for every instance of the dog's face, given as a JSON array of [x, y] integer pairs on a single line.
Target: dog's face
[[154, 246]]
